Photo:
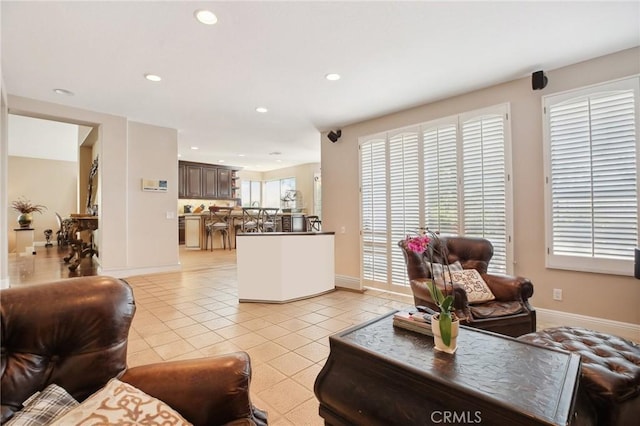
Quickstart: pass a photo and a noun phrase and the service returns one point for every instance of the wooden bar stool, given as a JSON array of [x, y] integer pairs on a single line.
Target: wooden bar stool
[[218, 222]]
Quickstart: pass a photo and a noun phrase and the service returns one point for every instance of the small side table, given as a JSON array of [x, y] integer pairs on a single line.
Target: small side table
[[24, 239]]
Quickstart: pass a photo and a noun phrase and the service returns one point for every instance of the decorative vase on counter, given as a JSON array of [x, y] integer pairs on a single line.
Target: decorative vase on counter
[[24, 220]]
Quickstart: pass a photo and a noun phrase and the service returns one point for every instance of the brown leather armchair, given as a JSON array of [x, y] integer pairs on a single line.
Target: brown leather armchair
[[509, 314], [74, 333]]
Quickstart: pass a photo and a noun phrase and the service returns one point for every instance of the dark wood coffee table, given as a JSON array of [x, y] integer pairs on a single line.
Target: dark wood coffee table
[[380, 375]]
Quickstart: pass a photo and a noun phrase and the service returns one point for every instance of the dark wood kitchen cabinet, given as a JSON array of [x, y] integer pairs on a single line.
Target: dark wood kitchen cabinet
[[224, 183], [194, 182], [210, 182], [182, 180], [181, 230], [207, 181]]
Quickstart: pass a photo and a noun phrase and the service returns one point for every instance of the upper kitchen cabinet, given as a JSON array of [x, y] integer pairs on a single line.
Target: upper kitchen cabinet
[[210, 183], [194, 181], [224, 183], [182, 180], [207, 181]]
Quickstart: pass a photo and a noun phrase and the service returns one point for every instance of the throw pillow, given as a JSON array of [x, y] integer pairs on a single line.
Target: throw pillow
[[477, 290], [43, 407], [121, 403], [436, 269]]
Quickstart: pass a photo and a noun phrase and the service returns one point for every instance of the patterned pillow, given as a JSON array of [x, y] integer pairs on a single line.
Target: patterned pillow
[[43, 407], [121, 403], [437, 268], [477, 290]]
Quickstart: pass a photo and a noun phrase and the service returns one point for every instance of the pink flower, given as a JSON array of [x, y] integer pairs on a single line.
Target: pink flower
[[417, 244]]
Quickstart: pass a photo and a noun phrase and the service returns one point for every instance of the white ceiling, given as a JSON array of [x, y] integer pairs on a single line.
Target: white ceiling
[[391, 55]]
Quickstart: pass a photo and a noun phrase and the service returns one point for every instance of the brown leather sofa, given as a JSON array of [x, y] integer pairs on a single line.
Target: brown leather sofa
[[74, 333], [509, 314]]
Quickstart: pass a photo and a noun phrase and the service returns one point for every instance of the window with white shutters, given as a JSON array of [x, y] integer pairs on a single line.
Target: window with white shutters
[[404, 196], [591, 166], [441, 177], [449, 175], [484, 184], [373, 178]]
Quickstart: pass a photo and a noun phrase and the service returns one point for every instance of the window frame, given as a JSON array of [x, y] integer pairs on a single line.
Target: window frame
[[284, 184], [254, 193], [589, 264]]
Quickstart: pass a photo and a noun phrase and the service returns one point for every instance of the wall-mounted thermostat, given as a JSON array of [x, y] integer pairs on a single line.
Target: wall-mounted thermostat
[[154, 185]]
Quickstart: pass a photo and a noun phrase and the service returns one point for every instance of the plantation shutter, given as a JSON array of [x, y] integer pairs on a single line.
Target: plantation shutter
[[374, 210], [592, 143], [404, 196], [484, 184], [440, 164], [449, 175]]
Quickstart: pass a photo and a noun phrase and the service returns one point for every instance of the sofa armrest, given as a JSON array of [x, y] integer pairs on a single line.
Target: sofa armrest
[[509, 288], [206, 391]]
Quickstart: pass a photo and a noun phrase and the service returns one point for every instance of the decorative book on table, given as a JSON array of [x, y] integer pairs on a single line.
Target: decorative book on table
[[412, 321]]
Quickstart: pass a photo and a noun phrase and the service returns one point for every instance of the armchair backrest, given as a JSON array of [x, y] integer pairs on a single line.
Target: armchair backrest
[[472, 253], [72, 332]]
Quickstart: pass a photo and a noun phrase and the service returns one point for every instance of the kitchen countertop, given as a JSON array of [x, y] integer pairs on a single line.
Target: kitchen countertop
[[236, 213], [282, 234]]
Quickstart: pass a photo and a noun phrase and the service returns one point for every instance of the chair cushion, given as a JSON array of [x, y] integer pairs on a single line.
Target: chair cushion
[[121, 403], [477, 290], [495, 309], [43, 407]]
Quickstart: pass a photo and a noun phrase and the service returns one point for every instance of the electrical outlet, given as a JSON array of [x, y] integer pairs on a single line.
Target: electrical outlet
[[557, 294], [343, 230]]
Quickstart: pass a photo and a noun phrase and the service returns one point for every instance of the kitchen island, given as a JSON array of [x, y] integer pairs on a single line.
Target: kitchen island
[[279, 267]]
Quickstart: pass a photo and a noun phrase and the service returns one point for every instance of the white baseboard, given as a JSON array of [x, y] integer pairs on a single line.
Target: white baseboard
[[123, 273], [617, 328], [351, 283]]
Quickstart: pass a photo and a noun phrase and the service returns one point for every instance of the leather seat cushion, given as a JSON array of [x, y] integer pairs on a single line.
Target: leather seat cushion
[[495, 309]]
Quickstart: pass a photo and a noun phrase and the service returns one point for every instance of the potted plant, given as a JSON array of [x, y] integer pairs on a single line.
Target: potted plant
[[26, 208], [445, 324]]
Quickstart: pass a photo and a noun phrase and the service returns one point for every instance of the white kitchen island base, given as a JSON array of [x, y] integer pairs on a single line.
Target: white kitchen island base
[[279, 267]]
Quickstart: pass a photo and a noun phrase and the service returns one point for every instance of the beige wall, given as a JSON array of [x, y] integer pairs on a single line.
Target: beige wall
[[4, 242], [152, 240], [52, 183], [582, 292], [130, 222]]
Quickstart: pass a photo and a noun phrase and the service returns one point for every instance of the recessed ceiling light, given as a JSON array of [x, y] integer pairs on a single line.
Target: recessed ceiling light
[[179, 155], [261, 109], [63, 92], [241, 155], [206, 17], [220, 161], [194, 148], [153, 77], [332, 77]]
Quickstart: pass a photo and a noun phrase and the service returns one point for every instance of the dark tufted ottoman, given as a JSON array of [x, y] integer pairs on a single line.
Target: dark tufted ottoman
[[610, 370]]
